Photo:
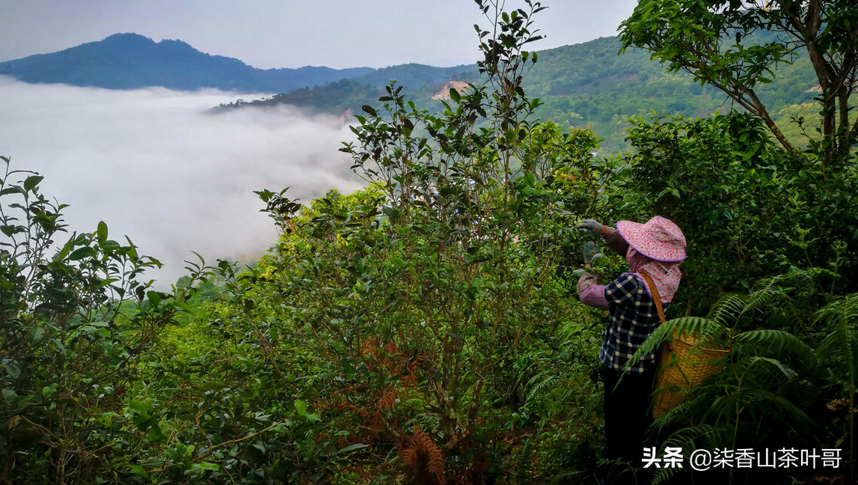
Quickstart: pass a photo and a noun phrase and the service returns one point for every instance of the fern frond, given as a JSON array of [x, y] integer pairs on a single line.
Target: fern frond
[[722, 409], [727, 309], [662, 423], [689, 439], [537, 383], [841, 342], [786, 371], [756, 342], [706, 329], [772, 404], [831, 344], [759, 299], [842, 311], [686, 438], [562, 476], [662, 475], [409, 456], [800, 279]]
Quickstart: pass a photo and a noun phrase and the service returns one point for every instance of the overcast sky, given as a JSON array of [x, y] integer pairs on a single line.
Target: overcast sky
[[295, 33]]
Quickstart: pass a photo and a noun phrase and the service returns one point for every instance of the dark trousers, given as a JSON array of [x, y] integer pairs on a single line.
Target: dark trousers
[[627, 413]]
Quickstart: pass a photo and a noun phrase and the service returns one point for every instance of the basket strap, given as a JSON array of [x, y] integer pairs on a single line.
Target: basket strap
[[655, 297]]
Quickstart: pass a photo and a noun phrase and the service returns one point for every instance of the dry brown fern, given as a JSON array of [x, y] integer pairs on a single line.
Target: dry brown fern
[[388, 400], [424, 459]]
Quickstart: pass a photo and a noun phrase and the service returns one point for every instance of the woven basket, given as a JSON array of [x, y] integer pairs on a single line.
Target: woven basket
[[680, 366]]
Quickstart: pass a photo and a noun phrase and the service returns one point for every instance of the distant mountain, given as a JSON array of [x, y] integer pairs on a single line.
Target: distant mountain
[[130, 61], [417, 75], [350, 94], [583, 85]]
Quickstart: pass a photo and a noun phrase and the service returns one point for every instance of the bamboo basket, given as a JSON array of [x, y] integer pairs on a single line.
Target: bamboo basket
[[681, 366]]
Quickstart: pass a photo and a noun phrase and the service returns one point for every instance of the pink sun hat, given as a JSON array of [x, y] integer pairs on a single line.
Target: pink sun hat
[[658, 239]]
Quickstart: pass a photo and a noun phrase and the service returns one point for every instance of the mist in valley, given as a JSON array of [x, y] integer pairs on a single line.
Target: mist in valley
[[156, 166]]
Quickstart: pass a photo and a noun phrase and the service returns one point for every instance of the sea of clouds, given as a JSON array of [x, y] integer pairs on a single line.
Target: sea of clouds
[[157, 166]]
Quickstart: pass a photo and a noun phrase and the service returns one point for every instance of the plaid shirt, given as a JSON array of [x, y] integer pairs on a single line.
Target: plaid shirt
[[633, 317]]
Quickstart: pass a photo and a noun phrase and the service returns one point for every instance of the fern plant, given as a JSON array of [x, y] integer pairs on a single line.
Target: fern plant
[[758, 397], [839, 349]]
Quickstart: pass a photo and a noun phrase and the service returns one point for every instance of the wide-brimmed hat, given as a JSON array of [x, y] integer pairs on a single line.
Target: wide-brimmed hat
[[658, 239]]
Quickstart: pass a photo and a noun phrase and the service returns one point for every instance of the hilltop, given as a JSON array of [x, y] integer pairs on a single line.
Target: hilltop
[[132, 61]]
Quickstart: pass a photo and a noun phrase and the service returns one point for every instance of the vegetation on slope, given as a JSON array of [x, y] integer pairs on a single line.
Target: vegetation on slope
[[583, 85]]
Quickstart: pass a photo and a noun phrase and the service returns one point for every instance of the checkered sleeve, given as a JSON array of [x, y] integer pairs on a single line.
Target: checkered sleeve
[[623, 291]]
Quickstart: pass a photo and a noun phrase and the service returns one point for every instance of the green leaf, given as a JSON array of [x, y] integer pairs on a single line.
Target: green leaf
[[206, 465], [109, 281], [154, 297], [183, 306], [109, 246], [11, 190], [139, 471], [49, 391], [37, 334], [101, 233], [212, 386], [301, 407], [80, 253], [155, 433], [140, 406], [9, 394], [65, 250], [32, 181], [356, 446], [12, 370]]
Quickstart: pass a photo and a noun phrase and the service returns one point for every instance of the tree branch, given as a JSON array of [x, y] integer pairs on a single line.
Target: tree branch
[[239, 440]]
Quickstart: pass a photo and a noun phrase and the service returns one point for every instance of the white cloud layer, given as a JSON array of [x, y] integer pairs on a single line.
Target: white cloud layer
[[156, 166]]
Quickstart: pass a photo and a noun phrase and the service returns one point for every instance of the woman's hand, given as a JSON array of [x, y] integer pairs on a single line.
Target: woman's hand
[[592, 226], [590, 250]]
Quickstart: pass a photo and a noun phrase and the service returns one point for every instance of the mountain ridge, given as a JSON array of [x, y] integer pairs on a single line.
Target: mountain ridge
[[133, 61]]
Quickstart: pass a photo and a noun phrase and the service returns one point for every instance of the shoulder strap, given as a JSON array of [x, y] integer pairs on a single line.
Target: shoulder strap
[[655, 298]]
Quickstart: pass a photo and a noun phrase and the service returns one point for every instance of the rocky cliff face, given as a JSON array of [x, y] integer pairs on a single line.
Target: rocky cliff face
[[444, 94]]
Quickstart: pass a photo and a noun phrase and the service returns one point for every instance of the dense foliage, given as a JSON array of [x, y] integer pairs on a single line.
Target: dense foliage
[[425, 329], [713, 41]]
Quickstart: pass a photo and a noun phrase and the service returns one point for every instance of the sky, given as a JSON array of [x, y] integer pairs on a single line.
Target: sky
[[295, 33]]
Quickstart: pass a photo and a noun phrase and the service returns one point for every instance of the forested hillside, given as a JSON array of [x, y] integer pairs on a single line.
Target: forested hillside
[[583, 85], [131, 61], [427, 329]]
